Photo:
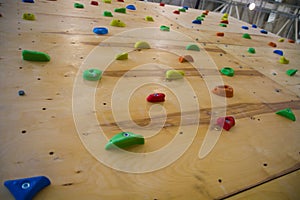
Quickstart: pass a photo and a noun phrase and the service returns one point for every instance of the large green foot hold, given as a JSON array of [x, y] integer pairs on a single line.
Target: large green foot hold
[[287, 113], [124, 139], [35, 56], [92, 74]]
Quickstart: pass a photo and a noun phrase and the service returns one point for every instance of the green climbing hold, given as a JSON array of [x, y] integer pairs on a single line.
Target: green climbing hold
[[164, 28], [78, 5], [283, 60], [107, 14], [118, 23], [174, 74], [182, 9], [149, 19], [124, 139], [122, 56], [228, 71], [35, 56], [223, 25], [141, 45], [287, 113], [28, 16], [246, 36], [192, 47], [120, 10], [200, 18], [291, 72], [107, 1], [92, 74], [251, 50], [203, 15]]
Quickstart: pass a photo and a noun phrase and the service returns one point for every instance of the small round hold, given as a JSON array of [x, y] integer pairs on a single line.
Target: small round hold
[[21, 92]]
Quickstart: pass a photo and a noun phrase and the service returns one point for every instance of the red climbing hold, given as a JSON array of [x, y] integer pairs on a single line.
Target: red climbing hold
[[272, 44], [156, 97], [94, 3], [161, 4], [226, 122], [224, 22], [220, 34], [176, 12]]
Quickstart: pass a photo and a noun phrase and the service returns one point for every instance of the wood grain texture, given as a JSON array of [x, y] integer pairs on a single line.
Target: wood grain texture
[[257, 159]]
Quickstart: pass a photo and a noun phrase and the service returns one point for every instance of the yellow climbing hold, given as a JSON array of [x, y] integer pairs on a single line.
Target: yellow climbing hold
[[174, 74], [142, 45], [117, 22], [149, 19], [122, 56], [281, 40], [283, 60], [107, 1]]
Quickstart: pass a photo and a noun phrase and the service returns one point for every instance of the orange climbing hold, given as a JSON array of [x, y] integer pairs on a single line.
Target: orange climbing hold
[[220, 34], [291, 41], [205, 12], [272, 44], [223, 90]]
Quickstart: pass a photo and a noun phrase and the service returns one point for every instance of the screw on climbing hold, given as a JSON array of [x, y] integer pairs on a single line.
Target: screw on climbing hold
[[220, 34], [131, 7], [94, 3], [107, 1], [176, 12], [254, 26], [26, 188], [205, 12], [245, 27], [174, 74], [120, 10], [181, 10], [272, 44], [162, 4], [92, 74], [124, 139], [185, 7], [28, 1], [246, 36], [122, 56], [196, 21], [228, 71], [291, 41], [164, 28], [28, 16], [291, 72], [200, 18], [264, 31], [192, 47], [251, 50], [283, 60], [281, 40], [142, 45], [279, 52], [226, 122], [21, 92], [223, 90], [78, 5], [100, 30], [35, 56], [149, 19], [156, 97], [224, 22], [107, 14], [117, 23], [186, 58], [288, 113], [222, 25]]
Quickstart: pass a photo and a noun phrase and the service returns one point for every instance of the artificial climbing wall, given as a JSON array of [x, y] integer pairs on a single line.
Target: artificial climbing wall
[[55, 123]]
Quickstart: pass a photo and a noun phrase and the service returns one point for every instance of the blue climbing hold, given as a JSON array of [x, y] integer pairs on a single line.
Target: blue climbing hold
[[100, 30], [26, 188], [245, 27], [21, 92], [197, 21], [264, 31], [186, 7], [279, 52], [254, 26], [131, 7], [28, 1]]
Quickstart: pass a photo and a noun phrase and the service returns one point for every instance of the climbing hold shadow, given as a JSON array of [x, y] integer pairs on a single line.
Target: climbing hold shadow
[[287, 113], [117, 23], [226, 122], [291, 72], [283, 60], [107, 14], [174, 74], [100, 30], [228, 71], [26, 188], [122, 56], [156, 97], [92, 74], [223, 90], [124, 139], [246, 36], [142, 45], [28, 16], [35, 56], [279, 52], [131, 7], [192, 47], [251, 50]]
